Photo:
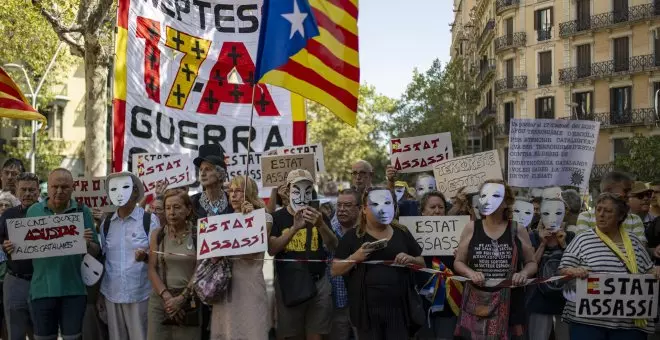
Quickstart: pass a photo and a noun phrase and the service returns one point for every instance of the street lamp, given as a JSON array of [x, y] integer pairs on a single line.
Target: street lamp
[[34, 94]]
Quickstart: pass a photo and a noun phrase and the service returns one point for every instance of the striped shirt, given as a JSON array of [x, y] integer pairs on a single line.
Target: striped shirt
[[633, 224], [588, 251]]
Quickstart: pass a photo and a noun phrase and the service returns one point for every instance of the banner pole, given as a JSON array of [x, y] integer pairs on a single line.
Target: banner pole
[[247, 163]]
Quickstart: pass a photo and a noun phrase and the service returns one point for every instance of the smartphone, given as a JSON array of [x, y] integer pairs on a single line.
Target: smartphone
[[316, 204], [376, 245]]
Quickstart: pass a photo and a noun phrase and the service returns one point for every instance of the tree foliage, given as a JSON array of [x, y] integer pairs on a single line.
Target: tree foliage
[[49, 152], [438, 100], [344, 144], [642, 158]]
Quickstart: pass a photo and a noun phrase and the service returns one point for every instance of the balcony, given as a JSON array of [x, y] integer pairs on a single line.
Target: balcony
[[634, 117], [544, 34], [510, 84], [486, 114], [610, 68], [598, 171], [504, 5], [486, 72], [545, 79], [487, 33], [503, 43], [607, 20], [502, 131]]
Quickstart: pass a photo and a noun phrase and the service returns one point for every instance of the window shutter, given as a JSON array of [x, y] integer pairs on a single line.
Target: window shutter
[[552, 108], [536, 20], [552, 16]]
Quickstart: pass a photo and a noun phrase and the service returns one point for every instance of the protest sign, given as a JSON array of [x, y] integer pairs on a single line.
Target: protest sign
[[47, 236], [275, 168], [232, 234], [416, 154], [316, 149], [617, 296], [549, 152], [184, 77], [467, 171], [175, 170], [436, 235], [90, 191]]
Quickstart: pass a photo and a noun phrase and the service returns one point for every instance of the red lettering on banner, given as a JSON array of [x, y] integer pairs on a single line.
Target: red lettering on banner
[[225, 225], [237, 225], [149, 30], [248, 221], [234, 57], [51, 233], [204, 249], [96, 185]]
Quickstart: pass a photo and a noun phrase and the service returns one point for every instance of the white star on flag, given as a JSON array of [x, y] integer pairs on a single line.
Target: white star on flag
[[296, 19]]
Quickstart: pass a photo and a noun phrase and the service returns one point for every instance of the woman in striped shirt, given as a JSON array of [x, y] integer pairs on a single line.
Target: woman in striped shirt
[[606, 249]]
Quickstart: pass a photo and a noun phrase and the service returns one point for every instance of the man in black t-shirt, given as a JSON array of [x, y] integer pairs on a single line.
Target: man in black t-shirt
[[301, 232]]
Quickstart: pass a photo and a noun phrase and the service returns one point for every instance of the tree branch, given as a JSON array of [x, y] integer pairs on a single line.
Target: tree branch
[[63, 32], [98, 15]]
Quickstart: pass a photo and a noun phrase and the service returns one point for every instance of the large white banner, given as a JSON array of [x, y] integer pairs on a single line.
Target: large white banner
[[551, 152], [184, 77], [617, 296], [232, 234], [47, 236], [420, 153], [175, 170]]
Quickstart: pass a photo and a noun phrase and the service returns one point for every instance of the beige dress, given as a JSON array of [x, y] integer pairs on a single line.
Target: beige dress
[[179, 271]]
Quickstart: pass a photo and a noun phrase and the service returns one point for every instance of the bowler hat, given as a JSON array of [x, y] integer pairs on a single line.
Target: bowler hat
[[211, 153]]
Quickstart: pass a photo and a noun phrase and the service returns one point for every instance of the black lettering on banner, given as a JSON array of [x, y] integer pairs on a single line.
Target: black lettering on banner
[[167, 9], [584, 308], [247, 17], [201, 8], [624, 281], [214, 134], [630, 306], [275, 134], [243, 140], [137, 112], [224, 14], [596, 305], [651, 282], [636, 287], [184, 133], [159, 126], [182, 6], [609, 286], [220, 19], [618, 308], [608, 308]]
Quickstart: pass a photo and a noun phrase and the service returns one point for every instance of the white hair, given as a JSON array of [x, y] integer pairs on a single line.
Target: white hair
[[7, 196]]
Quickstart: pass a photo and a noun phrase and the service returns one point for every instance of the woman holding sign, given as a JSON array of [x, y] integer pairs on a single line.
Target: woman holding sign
[[244, 314], [607, 248], [494, 248]]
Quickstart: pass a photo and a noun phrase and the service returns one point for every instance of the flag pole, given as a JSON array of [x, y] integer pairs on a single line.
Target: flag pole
[[247, 163]]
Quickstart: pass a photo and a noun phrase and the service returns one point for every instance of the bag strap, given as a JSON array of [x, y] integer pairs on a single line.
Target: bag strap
[[146, 222], [513, 227], [161, 244], [106, 226]]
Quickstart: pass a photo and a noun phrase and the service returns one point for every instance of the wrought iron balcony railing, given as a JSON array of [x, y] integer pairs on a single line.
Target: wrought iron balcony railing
[[510, 84], [487, 111], [503, 5], [615, 67], [486, 71], [598, 171], [625, 117], [518, 39], [502, 130], [605, 20], [487, 32], [545, 79], [544, 34]]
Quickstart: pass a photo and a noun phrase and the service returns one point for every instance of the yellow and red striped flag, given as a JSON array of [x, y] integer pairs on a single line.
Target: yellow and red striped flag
[[13, 103], [310, 47]]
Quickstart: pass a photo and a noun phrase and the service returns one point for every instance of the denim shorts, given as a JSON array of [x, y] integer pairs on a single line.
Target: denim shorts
[[64, 313]]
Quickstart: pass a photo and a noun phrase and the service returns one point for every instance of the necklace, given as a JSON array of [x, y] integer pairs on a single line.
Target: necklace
[[215, 207], [178, 237]]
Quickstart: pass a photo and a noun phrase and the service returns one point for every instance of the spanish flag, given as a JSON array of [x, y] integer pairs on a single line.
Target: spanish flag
[[310, 47], [13, 103], [593, 286]]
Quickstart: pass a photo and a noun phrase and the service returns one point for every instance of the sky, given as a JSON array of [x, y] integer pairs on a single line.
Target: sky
[[396, 36]]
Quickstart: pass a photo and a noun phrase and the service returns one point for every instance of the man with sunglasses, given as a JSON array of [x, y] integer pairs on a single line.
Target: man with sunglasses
[[639, 201]]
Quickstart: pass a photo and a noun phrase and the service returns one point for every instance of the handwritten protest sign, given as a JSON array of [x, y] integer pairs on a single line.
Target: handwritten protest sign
[[232, 234], [275, 168], [47, 236], [90, 191], [436, 235], [617, 296], [416, 154], [316, 149], [467, 171], [549, 152], [175, 170]]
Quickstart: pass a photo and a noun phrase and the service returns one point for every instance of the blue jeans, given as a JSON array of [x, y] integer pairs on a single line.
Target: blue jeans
[[65, 313], [581, 331], [17, 307]]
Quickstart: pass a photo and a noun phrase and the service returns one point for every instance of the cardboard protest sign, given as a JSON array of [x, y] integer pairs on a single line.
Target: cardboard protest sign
[[175, 170], [551, 152], [617, 296], [316, 149], [467, 171], [436, 235], [90, 191], [416, 154], [47, 236], [232, 234], [275, 168]]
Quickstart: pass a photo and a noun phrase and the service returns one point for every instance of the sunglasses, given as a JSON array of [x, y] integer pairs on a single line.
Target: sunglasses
[[643, 195]]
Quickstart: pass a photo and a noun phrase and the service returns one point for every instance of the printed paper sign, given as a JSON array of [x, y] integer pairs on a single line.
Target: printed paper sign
[[316, 149], [436, 235], [232, 234], [617, 296], [176, 170], [47, 236], [274, 169], [551, 152], [416, 154], [90, 191], [467, 171]]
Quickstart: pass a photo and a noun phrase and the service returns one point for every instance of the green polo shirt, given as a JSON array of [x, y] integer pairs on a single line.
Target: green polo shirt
[[59, 276]]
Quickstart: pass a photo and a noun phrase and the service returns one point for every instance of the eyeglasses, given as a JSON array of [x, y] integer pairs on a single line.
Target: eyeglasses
[[360, 173], [643, 195]]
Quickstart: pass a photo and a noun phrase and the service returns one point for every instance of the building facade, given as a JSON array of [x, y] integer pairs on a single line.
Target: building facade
[[561, 59]]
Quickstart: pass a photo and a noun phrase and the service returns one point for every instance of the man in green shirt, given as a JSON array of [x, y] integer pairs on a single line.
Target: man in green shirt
[[57, 292]]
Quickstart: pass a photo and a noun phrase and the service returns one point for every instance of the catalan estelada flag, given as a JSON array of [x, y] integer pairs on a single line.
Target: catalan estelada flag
[[13, 103], [310, 47], [440, 289]]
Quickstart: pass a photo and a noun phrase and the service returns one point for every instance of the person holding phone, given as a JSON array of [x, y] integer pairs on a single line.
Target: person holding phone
[[378, 295]]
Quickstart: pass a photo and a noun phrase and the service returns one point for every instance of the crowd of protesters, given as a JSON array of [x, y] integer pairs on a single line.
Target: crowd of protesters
[[148, 252]]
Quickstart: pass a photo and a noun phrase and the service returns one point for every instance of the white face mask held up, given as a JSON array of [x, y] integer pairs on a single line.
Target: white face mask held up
[[381, 205], [476, 207], [424, 184], [120, 190], [300, 194], [491, 197], [552, 214], [91, 270], [399, 191], [523, 212]]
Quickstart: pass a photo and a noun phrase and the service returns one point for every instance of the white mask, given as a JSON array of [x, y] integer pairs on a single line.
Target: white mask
[[300, 194], [536, 192], [552, 214], [491, 197], [523, 212], [381, 205], [551, 193], [475, 206], [120, 190], [424, 185], [91, 270], [399, 191]]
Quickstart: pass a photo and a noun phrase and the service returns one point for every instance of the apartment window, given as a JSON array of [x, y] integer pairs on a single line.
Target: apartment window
[[584, 105], [656, 45], [54, 117], [620, 105], [621, 54], [506, 162], [583, 14], [619, 147], [489, 99], [545, 108], [508, 115], [545, 68], [543, 23], [620, 10], [487, 141], [583, 53], [474, 145], [656, 88]]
